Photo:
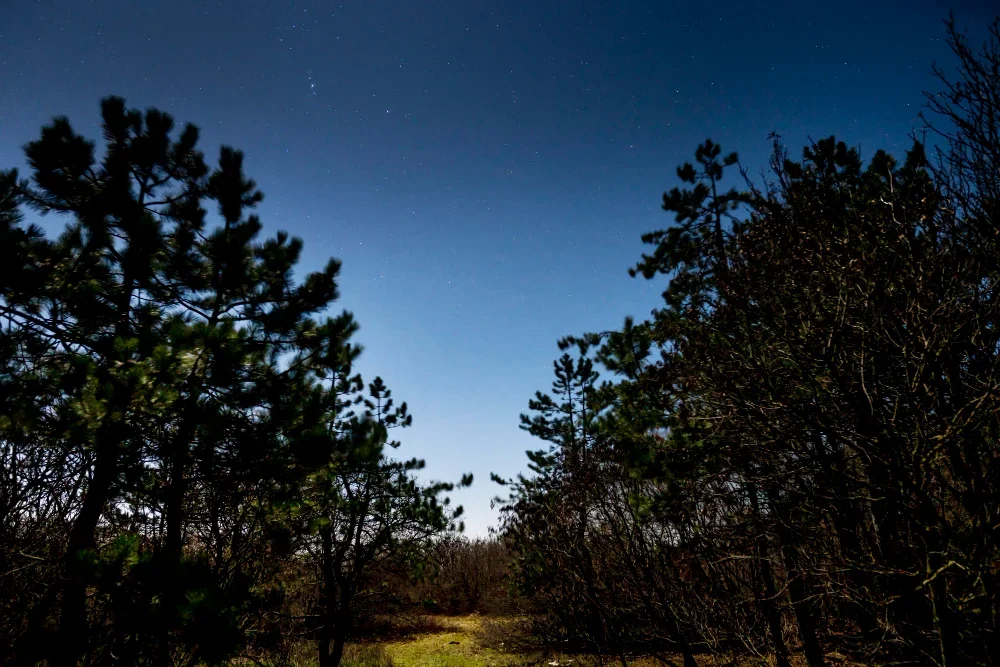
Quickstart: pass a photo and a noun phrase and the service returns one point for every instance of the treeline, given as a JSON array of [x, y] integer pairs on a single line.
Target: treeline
[[190, 467], [798, 452]]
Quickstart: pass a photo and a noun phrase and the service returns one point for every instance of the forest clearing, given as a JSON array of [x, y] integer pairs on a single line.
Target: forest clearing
[[475, 640], [471, 640], [787, 455]]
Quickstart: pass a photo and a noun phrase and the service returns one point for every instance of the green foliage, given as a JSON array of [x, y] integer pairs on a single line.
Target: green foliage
[[805, 434], [179, 414]]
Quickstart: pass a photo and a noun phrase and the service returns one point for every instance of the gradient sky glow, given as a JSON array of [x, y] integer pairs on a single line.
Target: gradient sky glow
[[483, 169]]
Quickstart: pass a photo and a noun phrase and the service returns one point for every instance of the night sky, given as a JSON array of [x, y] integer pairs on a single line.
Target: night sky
[[483, 169]]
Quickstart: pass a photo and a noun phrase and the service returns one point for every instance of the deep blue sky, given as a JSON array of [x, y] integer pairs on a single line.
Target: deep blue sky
[[483, 169]]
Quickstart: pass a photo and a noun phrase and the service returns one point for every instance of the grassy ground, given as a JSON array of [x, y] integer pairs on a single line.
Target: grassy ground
[[460, 645], [466, 641], [476, 641]]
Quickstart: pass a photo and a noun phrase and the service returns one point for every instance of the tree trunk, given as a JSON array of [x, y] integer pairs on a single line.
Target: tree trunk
[[847, 517], [331, 649], [797, 591], [766, 591], [172, 587], [943, 626], [800, 605], [72, 633], [334, 607], [338, 652], [769, 604]]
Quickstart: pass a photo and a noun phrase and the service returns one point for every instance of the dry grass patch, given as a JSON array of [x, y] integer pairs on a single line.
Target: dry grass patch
[[366, 655]]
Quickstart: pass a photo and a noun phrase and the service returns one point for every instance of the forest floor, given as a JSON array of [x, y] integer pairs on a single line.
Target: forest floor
[[472, 641], [486, 641], [460, 641]]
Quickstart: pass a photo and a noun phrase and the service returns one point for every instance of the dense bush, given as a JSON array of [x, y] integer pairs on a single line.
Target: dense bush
[[465, 576], [799, 450]]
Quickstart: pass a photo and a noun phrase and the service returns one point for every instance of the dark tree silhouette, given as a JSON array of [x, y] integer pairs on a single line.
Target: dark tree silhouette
[[169, 394], [805, 433]]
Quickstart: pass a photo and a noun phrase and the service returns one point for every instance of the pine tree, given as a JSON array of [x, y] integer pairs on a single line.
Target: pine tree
[[163, 324], [566, 421], [359, 508]]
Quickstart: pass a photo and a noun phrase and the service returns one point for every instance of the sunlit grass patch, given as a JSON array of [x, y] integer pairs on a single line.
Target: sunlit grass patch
[[442, 649], [474, 641], [477, 641]]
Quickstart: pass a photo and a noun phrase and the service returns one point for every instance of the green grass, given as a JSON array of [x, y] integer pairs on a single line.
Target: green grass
[[456, 647], [475, 641], [471, 641]]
